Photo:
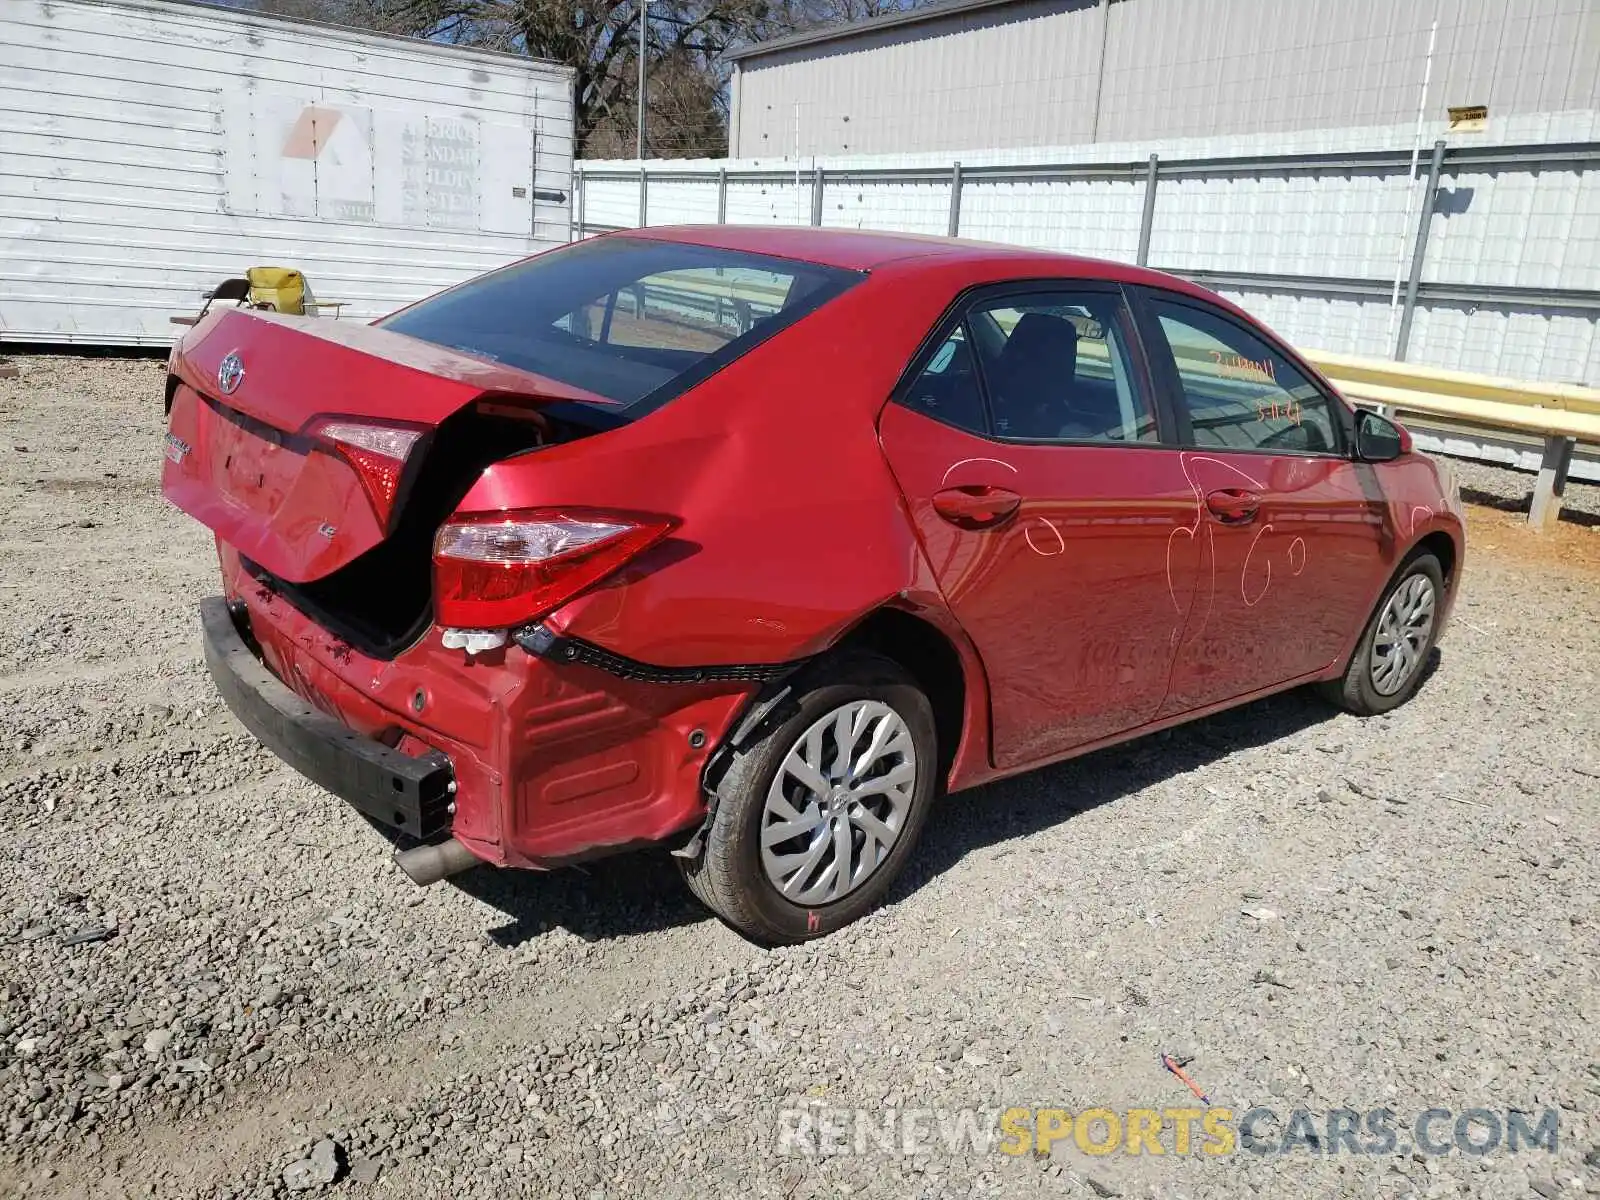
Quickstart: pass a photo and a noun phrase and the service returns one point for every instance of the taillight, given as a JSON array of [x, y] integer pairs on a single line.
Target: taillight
[[377, 453], [493, 570]]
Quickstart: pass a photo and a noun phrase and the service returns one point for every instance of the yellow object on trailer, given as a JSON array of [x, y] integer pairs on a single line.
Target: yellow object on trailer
[[282, 289], [279, 289]]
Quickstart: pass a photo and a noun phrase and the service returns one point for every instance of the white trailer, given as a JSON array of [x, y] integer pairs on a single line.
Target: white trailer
[[150, 149]]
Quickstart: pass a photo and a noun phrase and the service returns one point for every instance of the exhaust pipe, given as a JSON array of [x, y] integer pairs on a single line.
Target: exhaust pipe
[[429, 864]]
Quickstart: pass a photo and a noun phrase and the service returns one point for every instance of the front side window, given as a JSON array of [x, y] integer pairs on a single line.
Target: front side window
[[1240, 393], [633, 320]]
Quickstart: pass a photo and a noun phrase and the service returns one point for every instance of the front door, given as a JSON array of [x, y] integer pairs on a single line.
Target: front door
[[1028, 448], [1294, 545]]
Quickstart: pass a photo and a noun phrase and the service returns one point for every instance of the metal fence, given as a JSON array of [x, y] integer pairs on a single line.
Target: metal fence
[[1472, 257], [957, 181]]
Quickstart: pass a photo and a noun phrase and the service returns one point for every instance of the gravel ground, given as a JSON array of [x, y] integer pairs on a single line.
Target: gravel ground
[[214, 984], [1488, 485]]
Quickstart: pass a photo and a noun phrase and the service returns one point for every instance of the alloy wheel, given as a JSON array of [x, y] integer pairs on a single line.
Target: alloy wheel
[[838, 803], [1402, 635]]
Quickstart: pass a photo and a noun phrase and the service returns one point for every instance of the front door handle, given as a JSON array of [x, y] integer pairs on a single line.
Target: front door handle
[[976, 507], [1233, 506]]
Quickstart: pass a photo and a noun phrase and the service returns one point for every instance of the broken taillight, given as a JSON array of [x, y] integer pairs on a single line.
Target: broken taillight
[[376, 452], [493, 570]]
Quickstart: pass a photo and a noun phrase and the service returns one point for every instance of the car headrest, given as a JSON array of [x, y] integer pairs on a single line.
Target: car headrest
[[1044, 347]]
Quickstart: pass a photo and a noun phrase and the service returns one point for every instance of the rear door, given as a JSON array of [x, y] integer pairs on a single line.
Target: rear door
[[1293, 542], [1027, 443]]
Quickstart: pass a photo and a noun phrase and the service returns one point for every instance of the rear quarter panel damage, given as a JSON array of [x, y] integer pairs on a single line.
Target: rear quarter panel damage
[[553, 762], [792, 526], [793, 530]]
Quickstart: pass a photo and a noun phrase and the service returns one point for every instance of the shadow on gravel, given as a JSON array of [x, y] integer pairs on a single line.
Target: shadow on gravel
[[1522, 504], [1039, 799], [638, 892]]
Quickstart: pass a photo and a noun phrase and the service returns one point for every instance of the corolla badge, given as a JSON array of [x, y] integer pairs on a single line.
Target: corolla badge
[[230, 373]]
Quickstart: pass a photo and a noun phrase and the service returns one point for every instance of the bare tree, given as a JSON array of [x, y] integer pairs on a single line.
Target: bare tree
[[685, 40]]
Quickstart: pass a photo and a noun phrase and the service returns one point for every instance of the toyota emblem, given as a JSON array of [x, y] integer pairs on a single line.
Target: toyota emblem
[[230, 373]]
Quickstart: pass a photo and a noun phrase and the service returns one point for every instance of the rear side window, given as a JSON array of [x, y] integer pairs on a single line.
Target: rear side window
[[633, 320], [1057, 368], [947, 388], [1048, 366]]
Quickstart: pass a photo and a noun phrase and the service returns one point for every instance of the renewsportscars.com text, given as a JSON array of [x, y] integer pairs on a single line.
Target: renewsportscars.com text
[[828, 1131]]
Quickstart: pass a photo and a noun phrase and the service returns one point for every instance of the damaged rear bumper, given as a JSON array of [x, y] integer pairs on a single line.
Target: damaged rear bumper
[[395, 789], [552, 761]]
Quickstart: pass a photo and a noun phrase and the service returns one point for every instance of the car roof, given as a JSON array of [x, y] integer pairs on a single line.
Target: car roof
[[865, 249]]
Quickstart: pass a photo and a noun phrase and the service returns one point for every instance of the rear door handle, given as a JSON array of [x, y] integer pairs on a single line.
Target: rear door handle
[[976, 507], [1233, 506]]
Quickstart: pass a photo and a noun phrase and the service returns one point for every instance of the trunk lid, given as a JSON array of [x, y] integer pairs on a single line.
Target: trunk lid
[[250, 393]]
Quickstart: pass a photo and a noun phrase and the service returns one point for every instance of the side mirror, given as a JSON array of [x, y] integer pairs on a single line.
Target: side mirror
[[1379, 439]]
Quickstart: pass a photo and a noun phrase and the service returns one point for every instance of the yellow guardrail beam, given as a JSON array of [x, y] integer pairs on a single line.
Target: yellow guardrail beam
[[1562, 414], [1346, 369], [1546, 422]]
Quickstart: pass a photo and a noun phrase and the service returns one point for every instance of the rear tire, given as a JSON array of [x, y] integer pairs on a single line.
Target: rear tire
[[806, 838], [1392, 655]]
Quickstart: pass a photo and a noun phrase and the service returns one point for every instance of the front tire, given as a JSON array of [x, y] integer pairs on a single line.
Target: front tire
[[815, 819], [1392, 655]]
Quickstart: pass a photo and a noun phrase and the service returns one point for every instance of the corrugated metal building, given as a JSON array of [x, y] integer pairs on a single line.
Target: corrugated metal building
[[151, 149], [1002, 73]]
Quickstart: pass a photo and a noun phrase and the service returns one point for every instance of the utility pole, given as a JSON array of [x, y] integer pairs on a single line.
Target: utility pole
[[644, 16]]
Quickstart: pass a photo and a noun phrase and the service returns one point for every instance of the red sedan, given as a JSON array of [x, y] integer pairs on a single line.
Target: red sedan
[[750, 542]]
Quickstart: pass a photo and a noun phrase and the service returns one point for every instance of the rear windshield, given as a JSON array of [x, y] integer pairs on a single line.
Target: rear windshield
[[633, 320]]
